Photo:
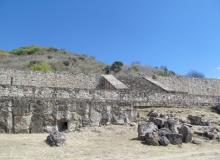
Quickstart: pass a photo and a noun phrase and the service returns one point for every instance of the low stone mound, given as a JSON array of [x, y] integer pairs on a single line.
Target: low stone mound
[[56, 138]]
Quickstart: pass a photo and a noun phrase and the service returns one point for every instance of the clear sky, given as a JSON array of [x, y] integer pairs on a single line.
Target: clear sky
[[183, 35]]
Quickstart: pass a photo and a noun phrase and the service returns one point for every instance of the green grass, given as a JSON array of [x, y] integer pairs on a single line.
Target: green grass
[[28, 50], [41, 66]]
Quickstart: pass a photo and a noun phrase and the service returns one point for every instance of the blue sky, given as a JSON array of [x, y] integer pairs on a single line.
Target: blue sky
[[183, 35]]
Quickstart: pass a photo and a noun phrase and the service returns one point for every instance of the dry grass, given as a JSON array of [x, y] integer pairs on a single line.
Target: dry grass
[[102, 143]]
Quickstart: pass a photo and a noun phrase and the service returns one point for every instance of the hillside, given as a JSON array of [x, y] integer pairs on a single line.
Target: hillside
[[44, 59]]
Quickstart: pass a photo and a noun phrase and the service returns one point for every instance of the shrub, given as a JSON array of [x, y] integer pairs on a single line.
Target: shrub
[[49, 57], [195, 74], [40, 66], [52, 49], [28, 50], [66, 63], [165, 72], [116, 66]]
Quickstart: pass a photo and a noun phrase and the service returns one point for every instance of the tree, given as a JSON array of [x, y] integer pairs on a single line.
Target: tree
[[116, 66], [195, 74]]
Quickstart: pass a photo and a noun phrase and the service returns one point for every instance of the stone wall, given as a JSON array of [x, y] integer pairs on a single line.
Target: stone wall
[[193, 86], [140, 84], [33, 115], [40, 79], [26, 109]]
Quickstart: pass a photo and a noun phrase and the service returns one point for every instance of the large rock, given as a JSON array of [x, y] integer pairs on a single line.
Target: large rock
[[198, 120], [163, 141], [56, 138], [146, 127], [186, 133], [171, 124], [164, 132], [159, 122], [152, 138], [175, 138]]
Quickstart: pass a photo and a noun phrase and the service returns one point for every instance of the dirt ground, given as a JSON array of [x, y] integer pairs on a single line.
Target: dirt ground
[[101, 143], [107, 143]]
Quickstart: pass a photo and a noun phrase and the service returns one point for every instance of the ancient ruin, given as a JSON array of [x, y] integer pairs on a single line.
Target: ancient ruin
[[34, 102]]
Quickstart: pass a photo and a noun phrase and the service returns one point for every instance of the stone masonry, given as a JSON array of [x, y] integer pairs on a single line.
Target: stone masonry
[[33, 102]]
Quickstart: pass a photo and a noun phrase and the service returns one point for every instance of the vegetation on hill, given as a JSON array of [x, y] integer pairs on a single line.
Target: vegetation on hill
[[3, 53], [49, 59], [195, 74]]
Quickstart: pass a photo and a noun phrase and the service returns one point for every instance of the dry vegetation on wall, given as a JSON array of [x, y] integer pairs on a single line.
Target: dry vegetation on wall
[[49, 59]]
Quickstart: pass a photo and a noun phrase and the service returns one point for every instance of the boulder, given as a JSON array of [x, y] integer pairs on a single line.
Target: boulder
[[146, 127], [163, 141], [152, 138], [159, 122], [164, 132], [198, 120], [175, 138], [171, 124], [186, 133], [56, 138]]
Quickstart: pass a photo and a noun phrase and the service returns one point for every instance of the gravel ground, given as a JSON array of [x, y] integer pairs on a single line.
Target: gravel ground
[[101, 143]]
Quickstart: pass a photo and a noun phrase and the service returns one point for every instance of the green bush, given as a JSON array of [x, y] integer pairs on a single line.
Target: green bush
[[116, 66], [40, 66], [66, 63], [28, 50], [49, 57]]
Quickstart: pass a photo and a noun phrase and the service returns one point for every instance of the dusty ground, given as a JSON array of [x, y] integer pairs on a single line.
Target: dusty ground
[[102, 143], [106, 143]]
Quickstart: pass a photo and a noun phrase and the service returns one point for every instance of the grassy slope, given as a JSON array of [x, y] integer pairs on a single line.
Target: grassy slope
[[37, 58]]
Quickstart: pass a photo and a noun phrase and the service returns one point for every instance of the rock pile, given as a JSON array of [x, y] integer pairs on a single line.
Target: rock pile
[[163, 130], [56, 138]]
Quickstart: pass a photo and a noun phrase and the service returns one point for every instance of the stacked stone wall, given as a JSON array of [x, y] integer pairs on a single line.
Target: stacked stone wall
[[39, 79]]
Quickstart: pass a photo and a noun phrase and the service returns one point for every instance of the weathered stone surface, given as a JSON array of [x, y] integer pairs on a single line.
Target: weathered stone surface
[[22, 124], [171, 124], [164, 132], [163, 141], [152, 138], [198, 120], [56, 138], [159, 122], [175, 138], [186, 133], [146, 127]]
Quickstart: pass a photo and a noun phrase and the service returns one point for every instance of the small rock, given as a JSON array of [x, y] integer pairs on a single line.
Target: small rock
[[56, 138], [153, 114], [198, 120], [152, 138], [210, 135], [194, 141]]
